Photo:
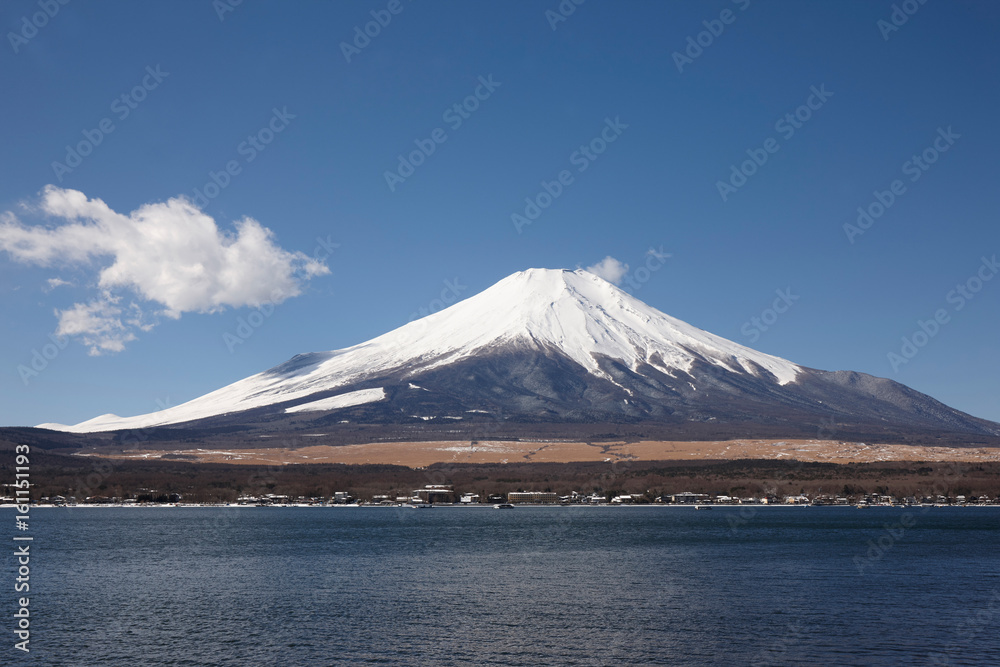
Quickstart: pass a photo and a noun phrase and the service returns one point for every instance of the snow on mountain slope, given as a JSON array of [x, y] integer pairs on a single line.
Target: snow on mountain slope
[[575, 312], [350, 399]]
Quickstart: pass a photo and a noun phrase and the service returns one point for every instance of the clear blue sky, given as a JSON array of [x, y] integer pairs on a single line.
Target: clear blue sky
[[215, 82]]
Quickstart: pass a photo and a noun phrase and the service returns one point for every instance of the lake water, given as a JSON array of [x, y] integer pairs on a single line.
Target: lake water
[[528, 586]]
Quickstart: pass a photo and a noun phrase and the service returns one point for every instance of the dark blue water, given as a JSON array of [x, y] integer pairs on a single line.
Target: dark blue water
[[553, 586]]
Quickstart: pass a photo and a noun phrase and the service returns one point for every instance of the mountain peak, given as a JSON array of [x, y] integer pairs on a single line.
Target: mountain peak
[[540, 283], [587, 318]]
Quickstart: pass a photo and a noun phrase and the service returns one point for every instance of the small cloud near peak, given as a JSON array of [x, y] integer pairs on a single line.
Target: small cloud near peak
[[610, 269]]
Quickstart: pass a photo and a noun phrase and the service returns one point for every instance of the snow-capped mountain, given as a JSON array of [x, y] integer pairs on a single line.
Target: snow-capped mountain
[[549, 346]]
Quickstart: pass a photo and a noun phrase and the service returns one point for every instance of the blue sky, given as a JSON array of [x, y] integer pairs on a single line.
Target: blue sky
[[164, 95]]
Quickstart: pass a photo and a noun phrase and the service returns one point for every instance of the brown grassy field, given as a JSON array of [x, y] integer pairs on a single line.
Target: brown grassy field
[[422, 454]]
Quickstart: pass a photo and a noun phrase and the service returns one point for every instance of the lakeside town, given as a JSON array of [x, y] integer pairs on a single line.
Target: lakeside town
[[445, 495]]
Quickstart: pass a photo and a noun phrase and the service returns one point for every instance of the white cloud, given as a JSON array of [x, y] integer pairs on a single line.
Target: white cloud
[[99, 324], [610, 269], [169, 254], [56, 282]]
